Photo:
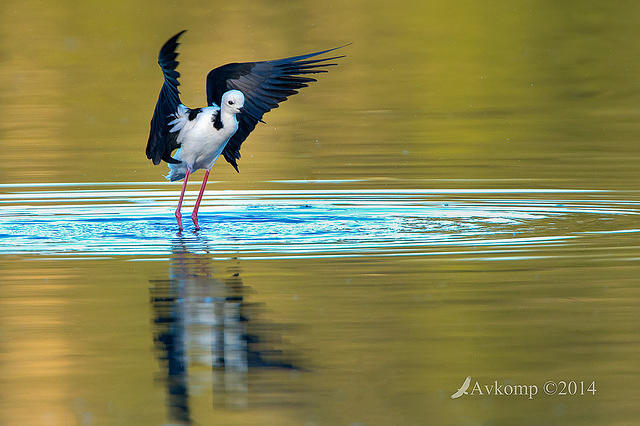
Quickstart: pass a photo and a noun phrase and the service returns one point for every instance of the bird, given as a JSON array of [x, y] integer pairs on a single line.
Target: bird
[[463, 388], [238, 96]]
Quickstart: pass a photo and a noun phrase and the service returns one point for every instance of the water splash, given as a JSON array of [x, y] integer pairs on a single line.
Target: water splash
[[138, 220]]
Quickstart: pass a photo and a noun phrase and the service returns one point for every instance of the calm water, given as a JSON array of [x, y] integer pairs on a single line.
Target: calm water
[[458, 198]]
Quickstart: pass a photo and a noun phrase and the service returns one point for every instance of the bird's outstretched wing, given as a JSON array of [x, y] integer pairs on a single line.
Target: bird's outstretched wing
[[264, 85], [162, 142]]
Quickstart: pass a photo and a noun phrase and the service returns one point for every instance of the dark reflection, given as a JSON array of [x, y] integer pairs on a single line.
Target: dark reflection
[[200, 320]]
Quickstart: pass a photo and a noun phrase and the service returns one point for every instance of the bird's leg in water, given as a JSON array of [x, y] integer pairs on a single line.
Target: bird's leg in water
[[178, 214], [194, 215]]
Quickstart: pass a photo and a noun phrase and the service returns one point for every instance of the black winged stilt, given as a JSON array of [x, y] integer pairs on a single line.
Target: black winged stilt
[[238, 95]]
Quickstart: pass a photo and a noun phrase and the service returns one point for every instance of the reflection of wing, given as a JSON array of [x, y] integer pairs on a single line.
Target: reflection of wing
[[463, 388], [264, 85]]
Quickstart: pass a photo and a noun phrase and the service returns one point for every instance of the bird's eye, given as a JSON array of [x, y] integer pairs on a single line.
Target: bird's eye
[[230, 102]]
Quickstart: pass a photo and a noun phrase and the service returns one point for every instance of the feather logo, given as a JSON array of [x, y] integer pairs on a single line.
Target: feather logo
[[463, 388]]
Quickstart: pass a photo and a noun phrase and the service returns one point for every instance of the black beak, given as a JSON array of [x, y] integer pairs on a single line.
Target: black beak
[[241, 109]]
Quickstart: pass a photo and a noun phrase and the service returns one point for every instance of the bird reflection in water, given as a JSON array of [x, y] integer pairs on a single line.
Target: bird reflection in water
[[199, 320]]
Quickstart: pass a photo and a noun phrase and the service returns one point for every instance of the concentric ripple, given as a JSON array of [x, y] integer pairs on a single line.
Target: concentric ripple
[[136, 219]]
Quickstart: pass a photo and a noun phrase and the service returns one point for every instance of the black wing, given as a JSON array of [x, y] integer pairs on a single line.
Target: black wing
[[161, 142], [264, 85]]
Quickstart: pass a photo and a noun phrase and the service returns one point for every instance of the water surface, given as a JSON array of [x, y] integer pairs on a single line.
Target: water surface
[[458, 198]]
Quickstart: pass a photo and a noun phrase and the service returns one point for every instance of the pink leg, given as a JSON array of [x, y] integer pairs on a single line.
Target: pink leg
[[194, 215], [178, 214]]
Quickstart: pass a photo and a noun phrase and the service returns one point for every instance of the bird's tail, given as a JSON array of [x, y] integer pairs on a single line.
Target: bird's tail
[[176, 171], [175, 175]]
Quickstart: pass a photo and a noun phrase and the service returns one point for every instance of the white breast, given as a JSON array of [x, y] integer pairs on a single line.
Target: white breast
[[201, 143]]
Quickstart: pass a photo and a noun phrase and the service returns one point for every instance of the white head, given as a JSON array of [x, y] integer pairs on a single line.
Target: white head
[[232, 101]]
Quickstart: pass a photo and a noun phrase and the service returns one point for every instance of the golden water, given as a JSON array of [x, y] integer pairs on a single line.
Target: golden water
[[458, 198]]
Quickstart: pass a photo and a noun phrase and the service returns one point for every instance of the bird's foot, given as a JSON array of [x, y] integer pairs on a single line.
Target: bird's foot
[[194, 218], [179, 219]]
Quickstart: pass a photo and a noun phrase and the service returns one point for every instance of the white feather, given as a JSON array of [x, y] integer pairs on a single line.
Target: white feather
[[200, 142], [181, 119]]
